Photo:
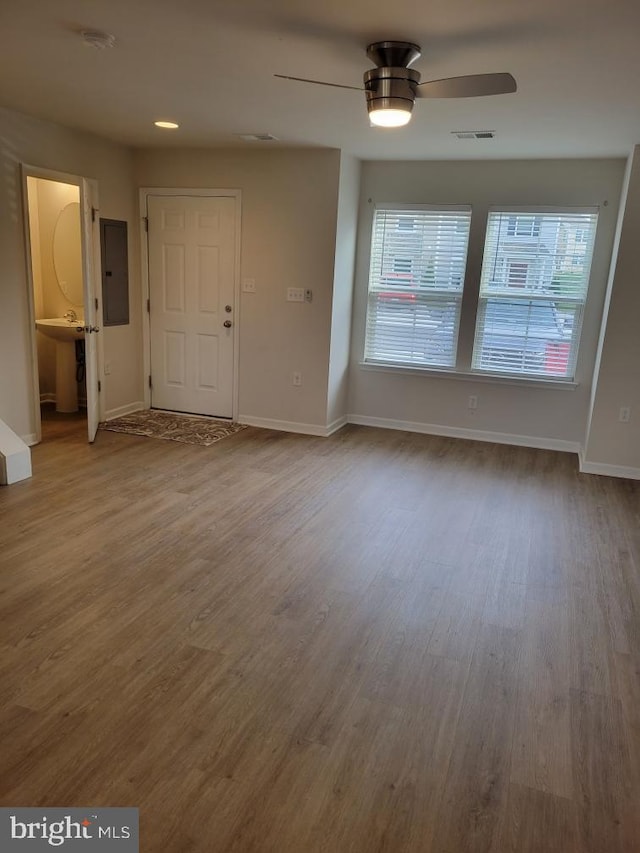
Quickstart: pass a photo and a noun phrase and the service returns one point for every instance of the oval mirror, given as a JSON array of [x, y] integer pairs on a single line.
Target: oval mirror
[[67, 253]]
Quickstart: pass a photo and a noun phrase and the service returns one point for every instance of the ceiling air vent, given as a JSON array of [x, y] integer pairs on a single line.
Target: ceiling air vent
[[98, 39], [257, 137], [474, 134]]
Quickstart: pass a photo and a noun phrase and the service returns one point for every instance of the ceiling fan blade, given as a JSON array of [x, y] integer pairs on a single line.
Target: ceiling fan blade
[[470, 86], [319, 82]]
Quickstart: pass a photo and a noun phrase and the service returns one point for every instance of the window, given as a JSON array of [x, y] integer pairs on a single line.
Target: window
[[402, 264], [416, 280], [517, 274], [529, 322], [523, 226]]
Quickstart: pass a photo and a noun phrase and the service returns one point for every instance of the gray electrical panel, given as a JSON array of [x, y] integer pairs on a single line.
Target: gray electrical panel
[[115, 272]]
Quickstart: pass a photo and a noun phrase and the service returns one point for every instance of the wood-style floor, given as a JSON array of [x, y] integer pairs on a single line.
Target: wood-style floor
[[282, 644]]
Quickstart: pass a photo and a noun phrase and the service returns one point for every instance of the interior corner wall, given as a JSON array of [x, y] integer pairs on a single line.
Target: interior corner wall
[[612, 446], [289, 211], [510, 411], [341, 313], [27, 140]]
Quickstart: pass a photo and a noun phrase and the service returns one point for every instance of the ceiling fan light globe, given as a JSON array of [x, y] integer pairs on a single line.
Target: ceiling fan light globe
[[389, 118], [389, 112]]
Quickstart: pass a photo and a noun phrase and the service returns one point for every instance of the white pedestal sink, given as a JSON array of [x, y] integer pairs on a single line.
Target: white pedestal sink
[[64, 334]]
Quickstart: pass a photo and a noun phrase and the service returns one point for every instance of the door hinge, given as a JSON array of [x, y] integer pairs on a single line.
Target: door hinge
[[150, 384], [148, 306], [99, 386], [96, 301], [93, 214], [146, 223]]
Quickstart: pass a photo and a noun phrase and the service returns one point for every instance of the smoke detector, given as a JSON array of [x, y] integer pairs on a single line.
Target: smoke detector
[[98, 39]]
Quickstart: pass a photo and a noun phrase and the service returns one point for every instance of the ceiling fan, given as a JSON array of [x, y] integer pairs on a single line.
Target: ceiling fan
[[392, 86]]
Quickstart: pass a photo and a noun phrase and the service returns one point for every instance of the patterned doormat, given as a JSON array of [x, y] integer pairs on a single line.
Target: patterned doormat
[[173, 427]]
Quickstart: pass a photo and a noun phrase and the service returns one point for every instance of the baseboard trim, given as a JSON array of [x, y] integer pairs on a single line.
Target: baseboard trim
[[124, 410], [471, 434], [290, 426], [604, 470], [30, 439], [334, 426]]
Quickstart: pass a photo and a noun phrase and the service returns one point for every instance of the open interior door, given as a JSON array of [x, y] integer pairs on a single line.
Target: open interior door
[[91, 275]]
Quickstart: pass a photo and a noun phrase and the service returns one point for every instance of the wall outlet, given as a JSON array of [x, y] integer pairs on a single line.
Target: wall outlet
[[295, 294], [625, 415], [248, 285], [473, 402], [297, 378]]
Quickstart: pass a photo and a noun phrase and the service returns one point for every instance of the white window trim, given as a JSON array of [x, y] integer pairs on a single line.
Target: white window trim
[[475, 376]]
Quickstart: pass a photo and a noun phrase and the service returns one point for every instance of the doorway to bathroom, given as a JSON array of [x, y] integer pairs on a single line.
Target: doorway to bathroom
[[61, 236]]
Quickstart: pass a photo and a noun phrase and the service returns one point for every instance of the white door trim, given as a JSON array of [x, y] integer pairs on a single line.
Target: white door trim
[[145, 192], [89, 241]]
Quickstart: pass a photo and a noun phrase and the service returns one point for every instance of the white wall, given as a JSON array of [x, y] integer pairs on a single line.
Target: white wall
[[289, 212], [27, 140], [540, 416], [341, 314], [610, 444]]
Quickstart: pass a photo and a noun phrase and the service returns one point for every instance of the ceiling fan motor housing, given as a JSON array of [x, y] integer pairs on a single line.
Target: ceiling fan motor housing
[[393, 54], [392, 84], [391, 88]]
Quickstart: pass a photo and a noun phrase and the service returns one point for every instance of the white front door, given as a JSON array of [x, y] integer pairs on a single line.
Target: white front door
[[192, 275]]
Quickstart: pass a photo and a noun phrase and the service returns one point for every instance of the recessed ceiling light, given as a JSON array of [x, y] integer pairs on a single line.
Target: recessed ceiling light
[[167, 125]]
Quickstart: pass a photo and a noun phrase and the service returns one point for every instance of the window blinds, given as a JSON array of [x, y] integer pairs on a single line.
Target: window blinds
[[534, 281], [416, 279]]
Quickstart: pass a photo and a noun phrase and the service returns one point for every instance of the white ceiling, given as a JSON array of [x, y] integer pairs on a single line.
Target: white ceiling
[[209, 65]]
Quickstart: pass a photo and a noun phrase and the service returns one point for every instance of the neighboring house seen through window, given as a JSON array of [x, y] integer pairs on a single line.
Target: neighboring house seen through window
[[523, 226]]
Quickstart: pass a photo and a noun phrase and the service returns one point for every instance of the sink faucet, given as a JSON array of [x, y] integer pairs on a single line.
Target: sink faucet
[[71, 316]]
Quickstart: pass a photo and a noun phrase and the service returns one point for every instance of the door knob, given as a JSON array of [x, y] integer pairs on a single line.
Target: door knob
[[227, 324], [228, 309]]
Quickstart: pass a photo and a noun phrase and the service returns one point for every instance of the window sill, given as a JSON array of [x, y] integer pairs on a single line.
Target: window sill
[[468, 375]]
